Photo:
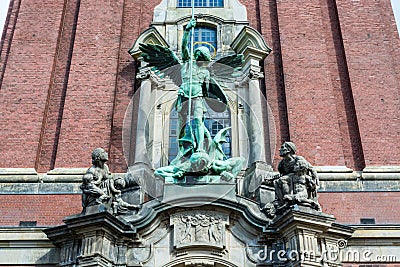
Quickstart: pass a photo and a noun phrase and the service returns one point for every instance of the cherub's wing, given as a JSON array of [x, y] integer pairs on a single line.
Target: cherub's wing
[[163, 59], [226, 68]]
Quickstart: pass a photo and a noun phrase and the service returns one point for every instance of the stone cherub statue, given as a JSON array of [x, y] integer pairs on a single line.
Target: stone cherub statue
[[297, 182], [199, 82], [99, 187]]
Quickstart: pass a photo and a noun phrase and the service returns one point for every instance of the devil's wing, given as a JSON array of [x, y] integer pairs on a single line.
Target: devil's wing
[[163, 59], [216, 151]]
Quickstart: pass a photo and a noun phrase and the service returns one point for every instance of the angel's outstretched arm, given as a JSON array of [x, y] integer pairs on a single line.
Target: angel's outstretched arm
[[185, 40]]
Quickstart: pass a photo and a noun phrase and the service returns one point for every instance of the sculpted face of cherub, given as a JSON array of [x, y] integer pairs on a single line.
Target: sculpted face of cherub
[[87, 178], [300, 166]]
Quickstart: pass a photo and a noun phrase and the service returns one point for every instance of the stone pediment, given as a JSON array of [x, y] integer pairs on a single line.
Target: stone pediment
[[149, 36], [251, 44]]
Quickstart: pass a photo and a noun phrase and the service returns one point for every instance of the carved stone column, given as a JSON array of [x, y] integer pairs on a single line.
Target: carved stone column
[[310, 238], [141, 171], [256, 106], [141, 155], [251, 44], [92, 240]]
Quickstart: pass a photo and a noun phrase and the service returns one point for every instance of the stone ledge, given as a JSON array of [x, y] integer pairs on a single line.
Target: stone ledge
[[377, 231], [380, 241], [21, 245], [39, 188], [63, 175], [359, 186], [22, 234], [325, 186], [332, 169], [68, 180], [382, 169], [19, 175]]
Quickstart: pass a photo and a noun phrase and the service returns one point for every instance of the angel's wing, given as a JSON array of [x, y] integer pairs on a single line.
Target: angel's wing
[[216, 97], [163, 59], [226, 67], [222, 71]]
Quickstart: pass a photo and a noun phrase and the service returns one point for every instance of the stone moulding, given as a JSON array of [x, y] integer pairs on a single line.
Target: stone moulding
[[20, 246], [149, 36], [65, 181], [250, 42], [203, 260], [19, 175]]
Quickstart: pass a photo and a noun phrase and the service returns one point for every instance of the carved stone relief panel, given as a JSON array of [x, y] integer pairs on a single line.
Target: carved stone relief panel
[[199, 228]]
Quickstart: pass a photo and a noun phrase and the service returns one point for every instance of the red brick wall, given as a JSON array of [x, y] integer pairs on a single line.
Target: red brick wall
[[133, 24], [313, 122], [90, 95], [57, 89], [309, 85], [349, 207], [7, 36], [371, 43], [341, 87], [24, 88], [263, 16], [332, 79], [47, 210]]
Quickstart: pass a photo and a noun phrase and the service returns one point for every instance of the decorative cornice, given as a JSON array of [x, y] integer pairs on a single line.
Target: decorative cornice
[[67, 180], [149, 36], [250, 43]]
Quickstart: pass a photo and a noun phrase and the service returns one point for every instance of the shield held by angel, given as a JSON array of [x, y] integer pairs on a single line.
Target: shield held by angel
[[198, 78]]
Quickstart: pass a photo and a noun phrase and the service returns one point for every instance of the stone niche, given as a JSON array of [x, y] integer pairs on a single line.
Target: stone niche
[[227, 231], [250, 116]]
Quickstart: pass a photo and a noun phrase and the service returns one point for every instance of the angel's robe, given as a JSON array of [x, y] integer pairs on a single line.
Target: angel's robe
[[200, 75]]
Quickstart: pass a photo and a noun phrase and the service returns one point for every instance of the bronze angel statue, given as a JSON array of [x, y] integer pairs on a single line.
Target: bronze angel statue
[[198, 79]]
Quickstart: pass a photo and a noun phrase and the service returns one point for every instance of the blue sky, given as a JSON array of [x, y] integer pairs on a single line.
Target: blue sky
[[4, 8]]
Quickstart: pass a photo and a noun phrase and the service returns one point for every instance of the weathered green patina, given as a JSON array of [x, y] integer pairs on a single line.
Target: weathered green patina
[[198, 79]]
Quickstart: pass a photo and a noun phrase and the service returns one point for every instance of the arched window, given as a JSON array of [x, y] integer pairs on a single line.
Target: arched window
[[201, 3], [214, 122], [206, 36]]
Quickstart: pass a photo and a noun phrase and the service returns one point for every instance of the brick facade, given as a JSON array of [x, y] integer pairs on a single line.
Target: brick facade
[[44, 209], [348, 208], [332, 82]]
